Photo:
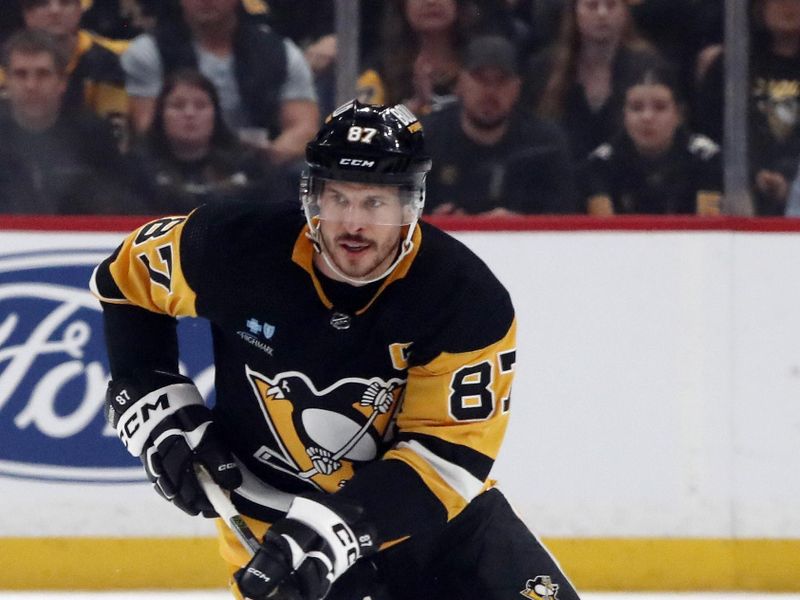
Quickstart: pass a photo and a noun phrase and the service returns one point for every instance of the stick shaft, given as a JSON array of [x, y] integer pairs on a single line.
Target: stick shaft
[[222, 504]]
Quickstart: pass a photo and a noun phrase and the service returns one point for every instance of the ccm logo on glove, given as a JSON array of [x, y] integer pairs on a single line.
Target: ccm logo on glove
[[137, 421], [162, 418], [258, 574]]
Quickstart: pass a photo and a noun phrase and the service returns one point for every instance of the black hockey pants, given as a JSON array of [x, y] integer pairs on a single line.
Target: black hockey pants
[[485, 553]]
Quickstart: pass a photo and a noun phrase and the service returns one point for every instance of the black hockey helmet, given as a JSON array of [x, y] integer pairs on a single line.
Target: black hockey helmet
[[370, 143]]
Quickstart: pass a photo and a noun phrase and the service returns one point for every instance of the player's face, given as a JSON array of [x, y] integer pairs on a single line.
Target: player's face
[[56, 17], [35, 88], [431, 15], [488, 95], [601, 21], [188, 116], [651, 118], [360, 225]]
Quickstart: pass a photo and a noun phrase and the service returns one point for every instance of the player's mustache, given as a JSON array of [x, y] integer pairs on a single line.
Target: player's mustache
[[355, 239]]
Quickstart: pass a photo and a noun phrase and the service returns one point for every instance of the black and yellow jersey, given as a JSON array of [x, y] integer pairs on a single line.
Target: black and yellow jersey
[[97, 82], [396, 394]]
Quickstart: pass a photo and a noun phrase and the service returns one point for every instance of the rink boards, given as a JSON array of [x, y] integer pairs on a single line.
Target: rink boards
[[655, 428]]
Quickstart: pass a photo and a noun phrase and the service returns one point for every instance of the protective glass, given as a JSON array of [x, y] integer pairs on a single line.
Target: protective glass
[[372, 204]]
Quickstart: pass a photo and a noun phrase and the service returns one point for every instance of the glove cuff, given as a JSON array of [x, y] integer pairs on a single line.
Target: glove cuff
[[136, 418], [347, 547]]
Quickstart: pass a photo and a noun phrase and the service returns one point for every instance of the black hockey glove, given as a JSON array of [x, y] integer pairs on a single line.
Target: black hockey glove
[[306, 551], [162, 419]]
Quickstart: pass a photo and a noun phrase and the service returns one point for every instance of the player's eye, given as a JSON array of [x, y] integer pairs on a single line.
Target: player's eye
[[338, 199]]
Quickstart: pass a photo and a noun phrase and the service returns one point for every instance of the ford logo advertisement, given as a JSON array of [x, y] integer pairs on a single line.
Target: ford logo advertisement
[[54, 372]]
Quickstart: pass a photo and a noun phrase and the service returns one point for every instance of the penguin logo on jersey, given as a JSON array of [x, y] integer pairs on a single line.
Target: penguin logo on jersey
[[321, 433], [540, 588]]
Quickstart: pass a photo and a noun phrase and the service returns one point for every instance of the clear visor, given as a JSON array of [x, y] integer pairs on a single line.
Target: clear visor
[[362, 203]]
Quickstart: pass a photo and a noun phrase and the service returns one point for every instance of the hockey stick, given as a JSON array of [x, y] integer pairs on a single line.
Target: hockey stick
[[222, 504]]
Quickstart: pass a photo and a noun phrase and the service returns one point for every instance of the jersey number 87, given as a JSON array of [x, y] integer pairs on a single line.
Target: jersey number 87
[[472, 397]]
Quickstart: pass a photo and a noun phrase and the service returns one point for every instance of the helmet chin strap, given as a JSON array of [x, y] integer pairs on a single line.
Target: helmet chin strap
[[406, 246]]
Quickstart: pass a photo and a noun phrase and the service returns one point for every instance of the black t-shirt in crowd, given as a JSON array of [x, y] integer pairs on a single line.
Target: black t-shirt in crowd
[[774, 116], [665, 185], [528, 171], [73, 167]]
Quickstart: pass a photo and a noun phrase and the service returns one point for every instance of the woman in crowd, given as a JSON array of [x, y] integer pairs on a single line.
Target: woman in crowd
[[774, 102], [419, 55], [189, 156], [578, 80], [655, 165]]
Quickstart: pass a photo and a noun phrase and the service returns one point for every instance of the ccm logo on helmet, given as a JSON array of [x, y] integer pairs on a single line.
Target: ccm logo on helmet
[[356, 162]]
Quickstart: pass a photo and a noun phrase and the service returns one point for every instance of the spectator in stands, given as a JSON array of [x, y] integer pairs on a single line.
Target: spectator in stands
[[538, 23], [10, 19], [489, 158], [793, 197], [655, 165], [578, 81], [419, 58], [264, 83], [189, 156], [95, 78], [774, 114], [680, 29], [54, 162], [119, 19], [311, 25]]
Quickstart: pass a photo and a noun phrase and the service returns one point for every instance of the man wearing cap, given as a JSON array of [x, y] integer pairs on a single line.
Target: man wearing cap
[[489, 158]]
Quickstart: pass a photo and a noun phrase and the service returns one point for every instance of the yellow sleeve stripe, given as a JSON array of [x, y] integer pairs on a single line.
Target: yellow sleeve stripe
[[453, 502], [458, 478], [485, 437]]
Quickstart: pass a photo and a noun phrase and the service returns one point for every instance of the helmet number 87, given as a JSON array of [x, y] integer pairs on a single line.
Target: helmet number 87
[[361, 134]]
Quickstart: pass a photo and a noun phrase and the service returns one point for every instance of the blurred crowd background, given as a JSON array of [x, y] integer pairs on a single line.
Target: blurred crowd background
[[600, 107]]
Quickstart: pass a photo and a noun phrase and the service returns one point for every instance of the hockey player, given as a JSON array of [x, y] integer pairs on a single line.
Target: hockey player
[[363, 372]]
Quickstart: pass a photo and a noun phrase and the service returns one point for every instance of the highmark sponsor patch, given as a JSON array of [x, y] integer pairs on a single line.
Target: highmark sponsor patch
[[54, 372]]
